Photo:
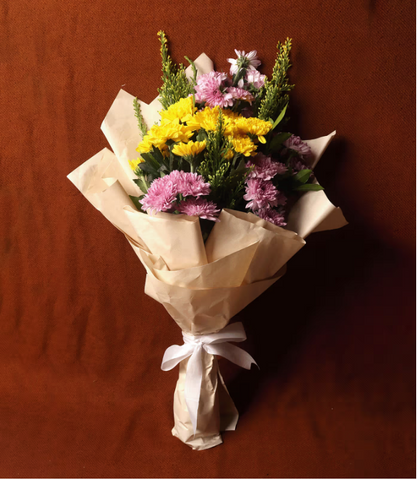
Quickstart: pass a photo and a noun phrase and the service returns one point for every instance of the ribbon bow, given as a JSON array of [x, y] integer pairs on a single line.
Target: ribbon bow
[[215, 344]]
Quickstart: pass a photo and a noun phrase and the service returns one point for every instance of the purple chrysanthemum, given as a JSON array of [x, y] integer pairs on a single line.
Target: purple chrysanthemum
[[277, 217], [255, 78], [260, 194], [210, 89], [296, 164], [199, 207], [161, 195], [191, 184], [163, 191], [241, 94], [265, 167], [295, 143]]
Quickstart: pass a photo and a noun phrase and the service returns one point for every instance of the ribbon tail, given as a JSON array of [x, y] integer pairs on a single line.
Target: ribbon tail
[[233, 353], [232, 333], [192, 387], [174, 355]]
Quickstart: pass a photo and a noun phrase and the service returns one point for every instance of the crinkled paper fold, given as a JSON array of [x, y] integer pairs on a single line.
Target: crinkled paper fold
[[202, 286]]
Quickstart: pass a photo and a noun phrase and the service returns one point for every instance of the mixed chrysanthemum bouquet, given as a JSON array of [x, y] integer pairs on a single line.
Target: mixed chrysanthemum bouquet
[[220, 198], [221, 143]]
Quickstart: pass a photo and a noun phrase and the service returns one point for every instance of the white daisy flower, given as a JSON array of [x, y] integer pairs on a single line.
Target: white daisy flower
[[244, 60]]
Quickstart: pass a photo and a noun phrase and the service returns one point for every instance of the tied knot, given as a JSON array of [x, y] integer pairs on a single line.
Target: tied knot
[[213, 343], [193, 340]]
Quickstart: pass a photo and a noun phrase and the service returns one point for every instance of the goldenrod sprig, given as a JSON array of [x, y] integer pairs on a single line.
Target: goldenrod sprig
[[175, 83], [274, 95], [138, 114]]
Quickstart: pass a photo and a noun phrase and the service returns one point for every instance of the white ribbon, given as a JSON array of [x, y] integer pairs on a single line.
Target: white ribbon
[[215, 344]]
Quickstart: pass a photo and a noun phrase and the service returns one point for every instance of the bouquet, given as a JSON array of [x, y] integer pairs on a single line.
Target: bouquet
[[215, 196]]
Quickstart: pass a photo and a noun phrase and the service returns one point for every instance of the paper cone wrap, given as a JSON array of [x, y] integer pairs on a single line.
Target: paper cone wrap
[[201, 286]]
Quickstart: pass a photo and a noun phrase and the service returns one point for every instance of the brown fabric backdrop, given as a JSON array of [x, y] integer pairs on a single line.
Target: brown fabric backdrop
[[81, 392]]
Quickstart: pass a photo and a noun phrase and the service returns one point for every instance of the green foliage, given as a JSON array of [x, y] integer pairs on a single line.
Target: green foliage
[[273, 96], [302, 176], [175, 84], [193, 79], [136, 203], [280, 117], [226, 176], [309, 187], [276, 143], [138, 114]]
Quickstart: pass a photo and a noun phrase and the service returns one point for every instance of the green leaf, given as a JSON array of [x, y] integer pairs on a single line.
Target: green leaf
[[146, 167], [194, 77], [150, 159], [302, 176], [141, 183], [157, 156], [309, 187], [241, 168], [135, 200], [278, 140], [280, 117]]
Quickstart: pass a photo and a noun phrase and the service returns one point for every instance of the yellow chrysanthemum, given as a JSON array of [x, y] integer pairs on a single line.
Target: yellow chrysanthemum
[[255, 126], [180, 110], [208, 118], [229, 154], [145, 145], [243, 145], [159, 134], [188, 149], [135, 163]]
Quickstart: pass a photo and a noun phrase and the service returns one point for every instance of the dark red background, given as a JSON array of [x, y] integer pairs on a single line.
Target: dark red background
[[81, 392]]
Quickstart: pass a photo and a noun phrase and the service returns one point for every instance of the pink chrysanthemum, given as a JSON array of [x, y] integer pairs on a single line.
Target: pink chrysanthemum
[[241, 94], [244, 60], [199, 207], [295, 143], [260, 194], [210, 88], [265, 167], [297, 165], [191, 184], [161, 195], [255, 78], [277, 217], [163, 191]]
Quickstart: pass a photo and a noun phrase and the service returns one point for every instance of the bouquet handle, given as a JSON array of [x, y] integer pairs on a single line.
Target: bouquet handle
[[202, 404]]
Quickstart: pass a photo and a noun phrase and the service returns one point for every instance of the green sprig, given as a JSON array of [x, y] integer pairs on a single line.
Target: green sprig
[[226, 176], [175, 84], [274, 94], [138, 114]]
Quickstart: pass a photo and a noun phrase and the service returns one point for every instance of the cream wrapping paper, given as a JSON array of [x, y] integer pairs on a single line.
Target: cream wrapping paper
[[194, 348], [201, 286]]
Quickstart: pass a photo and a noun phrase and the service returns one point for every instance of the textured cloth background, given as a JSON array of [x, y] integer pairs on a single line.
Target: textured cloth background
[[81, 390]]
